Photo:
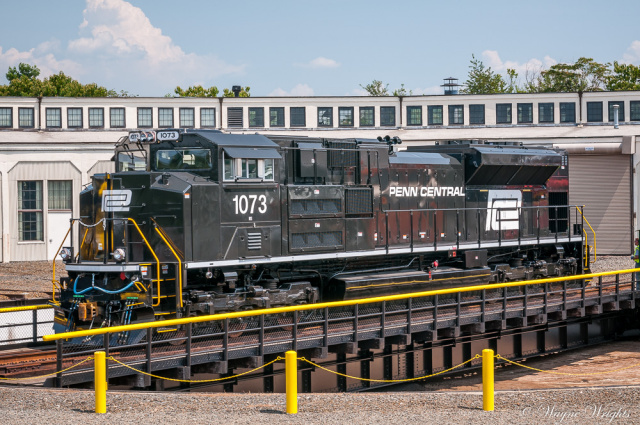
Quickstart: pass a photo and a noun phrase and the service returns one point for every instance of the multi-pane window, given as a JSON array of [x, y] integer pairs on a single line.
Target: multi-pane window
[[594, 111], [634, 110], [525, 113], [187, 117], [165, 117], [545, 112], [567, 112], [53, 117], [6, 117], [276, 117], [25, 118], [116, 118], [59, 195], [434, 115], [620, 110], [325, 117], [256, 117], [414, 115], [234, 117], [30, 210], [367, 116], [247, 168], [207, 117], [297, 116], [74, 117], [96, 117], [345, 116], [145, 117], [387, 116], [503, 113], [476, 114], [456, 114]]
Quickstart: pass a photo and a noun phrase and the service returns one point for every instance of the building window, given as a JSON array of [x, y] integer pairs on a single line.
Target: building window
[[367, 116], [567, 112], [74, 117], [297, 117], [234, 117], [345, 117], [434, 115], [476, 114], [387, 116], [256, 117], [165, 117], [145, 118], [620, 110], [503, 113], [594, 111], [456, 114], [207, 117], [187, 117], [276, 117], [6, 117], [525, 113], [59, 195], [414, 115], [25, 118], [30, 210], [96, 117], [116, 118], [634, 110], [545, 112], [53, 117], [325, 117]]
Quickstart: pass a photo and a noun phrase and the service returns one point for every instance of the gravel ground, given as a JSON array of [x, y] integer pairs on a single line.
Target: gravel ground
[[617, 405]]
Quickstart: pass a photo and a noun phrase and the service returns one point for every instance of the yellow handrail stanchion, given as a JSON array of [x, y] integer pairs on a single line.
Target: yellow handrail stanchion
[[487, 380], [100, 381], [291, 369]]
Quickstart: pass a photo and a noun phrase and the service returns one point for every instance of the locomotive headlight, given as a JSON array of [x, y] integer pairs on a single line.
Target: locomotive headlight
[[119, 255], [66, 254]]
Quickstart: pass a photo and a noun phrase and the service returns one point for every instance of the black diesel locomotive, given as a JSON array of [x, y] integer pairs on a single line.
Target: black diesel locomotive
[[198, 222]]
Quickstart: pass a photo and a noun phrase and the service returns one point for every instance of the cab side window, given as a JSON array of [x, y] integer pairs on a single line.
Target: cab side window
[[248, 168]]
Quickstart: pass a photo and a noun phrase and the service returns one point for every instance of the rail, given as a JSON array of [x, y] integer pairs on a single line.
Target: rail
[[24, 325], [586, 245]]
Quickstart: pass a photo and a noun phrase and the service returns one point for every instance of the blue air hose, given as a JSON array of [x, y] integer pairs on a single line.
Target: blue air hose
[[106, 291]]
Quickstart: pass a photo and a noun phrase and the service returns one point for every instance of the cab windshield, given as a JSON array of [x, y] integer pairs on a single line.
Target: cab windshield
[[131, 161]]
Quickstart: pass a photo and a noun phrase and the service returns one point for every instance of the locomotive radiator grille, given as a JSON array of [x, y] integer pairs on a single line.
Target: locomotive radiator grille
[[347, 157], [254, 241], [315, 206], [359, 201], [316, 240]]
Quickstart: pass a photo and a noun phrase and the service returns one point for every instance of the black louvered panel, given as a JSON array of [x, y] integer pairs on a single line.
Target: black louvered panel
[[359, 201], [254, 241], [347, 156], [234, 117], [316, 240], [315, 206]]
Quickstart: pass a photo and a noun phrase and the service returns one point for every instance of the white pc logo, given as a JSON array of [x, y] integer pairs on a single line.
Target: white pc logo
[[116, 200]]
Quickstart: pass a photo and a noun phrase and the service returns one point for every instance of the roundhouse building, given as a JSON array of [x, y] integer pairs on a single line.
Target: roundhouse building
[[49, 147]]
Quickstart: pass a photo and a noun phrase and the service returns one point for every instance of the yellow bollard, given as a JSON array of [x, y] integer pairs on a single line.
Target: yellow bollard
[[100, 381], [487, 380], [291, 369]]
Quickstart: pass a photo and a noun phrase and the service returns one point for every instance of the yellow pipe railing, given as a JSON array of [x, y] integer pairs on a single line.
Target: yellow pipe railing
[[53, 279], [595, 250], [179, 263], [25, 308], [317, 306], [152, 253]]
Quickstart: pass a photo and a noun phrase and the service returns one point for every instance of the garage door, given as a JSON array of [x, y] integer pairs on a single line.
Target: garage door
[[603, 184]]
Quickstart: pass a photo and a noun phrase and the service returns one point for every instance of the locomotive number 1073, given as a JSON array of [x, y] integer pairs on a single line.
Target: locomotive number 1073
[[247, 204]]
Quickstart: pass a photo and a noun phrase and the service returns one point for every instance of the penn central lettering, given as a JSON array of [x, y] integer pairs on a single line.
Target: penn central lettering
[[425, 192]]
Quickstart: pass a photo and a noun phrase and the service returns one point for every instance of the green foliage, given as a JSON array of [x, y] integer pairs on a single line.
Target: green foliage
[[623, 77], [244, 92], [198, 91], [482, 80], [583, 75], [402, 91], [376, 88], [23, 81]]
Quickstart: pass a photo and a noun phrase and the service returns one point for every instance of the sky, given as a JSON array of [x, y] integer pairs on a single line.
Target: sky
[[308, 48]]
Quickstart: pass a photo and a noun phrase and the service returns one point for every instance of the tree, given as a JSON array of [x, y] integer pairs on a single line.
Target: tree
[[482, 80], [197, 91], [402, 91], [24, 69], [376, 88], [583, 75], [244, 92], [623, 77]]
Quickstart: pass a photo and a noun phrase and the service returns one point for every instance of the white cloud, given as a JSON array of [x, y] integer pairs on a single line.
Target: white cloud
[[492, 58], [41, 56], [428, 90], [298, 90], [632, 54], [318, 63]]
